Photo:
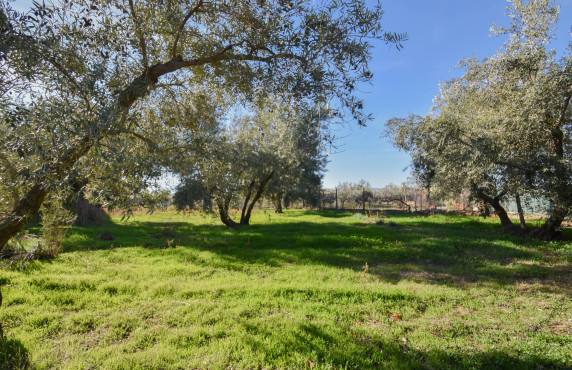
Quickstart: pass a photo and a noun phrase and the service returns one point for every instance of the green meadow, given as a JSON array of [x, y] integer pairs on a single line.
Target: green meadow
[[305, 289]]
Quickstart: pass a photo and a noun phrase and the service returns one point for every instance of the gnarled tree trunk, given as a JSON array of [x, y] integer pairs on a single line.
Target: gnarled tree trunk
[[248, 205], [550, 230], [483, 209], [246, 219], [30, 204], [223, 206], [506, 222], [27, 208], [277, 202]]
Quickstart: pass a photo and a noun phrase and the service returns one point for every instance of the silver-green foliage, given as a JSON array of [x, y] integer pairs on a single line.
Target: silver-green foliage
[[272, 144], [74, 75], [503, 127]]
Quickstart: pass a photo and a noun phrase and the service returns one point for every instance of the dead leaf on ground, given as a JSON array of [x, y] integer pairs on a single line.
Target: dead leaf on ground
[[464, 310], [560, 329], [396, 316]]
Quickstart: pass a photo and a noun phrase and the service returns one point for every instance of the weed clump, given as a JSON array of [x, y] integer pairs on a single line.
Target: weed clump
[[360, 216], [56, 220]]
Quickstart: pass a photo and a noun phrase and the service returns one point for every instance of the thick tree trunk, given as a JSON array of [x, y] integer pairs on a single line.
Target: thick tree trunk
[[223, 213], [30, 204], [85, 212], [483, 209], [277, 200], [28, 207], [247, 199], [246, 219], [550, 230], [520, 212], [506, 222]]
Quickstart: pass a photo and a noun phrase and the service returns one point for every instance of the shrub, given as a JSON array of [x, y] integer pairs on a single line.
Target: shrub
[[56, 219]]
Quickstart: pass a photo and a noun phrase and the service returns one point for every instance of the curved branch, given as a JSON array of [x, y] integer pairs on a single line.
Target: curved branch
[[182, 26], [148, 141], [139, 86], [142, 43]]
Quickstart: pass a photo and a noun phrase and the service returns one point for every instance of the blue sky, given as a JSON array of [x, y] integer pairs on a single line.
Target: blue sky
[[441, 33]]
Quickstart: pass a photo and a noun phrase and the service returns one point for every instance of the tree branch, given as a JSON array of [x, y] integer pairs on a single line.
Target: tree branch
[[182, 27], [142, 43], [257, 196], [246, 200], [159, 86], [138, 87], [142, 138]]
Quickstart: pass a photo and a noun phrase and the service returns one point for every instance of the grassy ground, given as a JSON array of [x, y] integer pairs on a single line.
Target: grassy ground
[[304, 289]]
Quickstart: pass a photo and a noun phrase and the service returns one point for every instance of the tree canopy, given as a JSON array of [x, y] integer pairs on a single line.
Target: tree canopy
[[75, 73], [265, 149], [502, 128]]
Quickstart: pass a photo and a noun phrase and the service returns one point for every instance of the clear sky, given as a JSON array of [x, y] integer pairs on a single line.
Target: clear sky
[[441, 33]]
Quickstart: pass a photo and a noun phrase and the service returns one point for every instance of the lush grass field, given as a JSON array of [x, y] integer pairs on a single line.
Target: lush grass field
[[303, 289]]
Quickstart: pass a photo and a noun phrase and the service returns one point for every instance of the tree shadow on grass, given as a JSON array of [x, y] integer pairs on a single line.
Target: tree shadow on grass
[[146, 234], [13, 354], [325, 213], [349, 348], [455, 251]]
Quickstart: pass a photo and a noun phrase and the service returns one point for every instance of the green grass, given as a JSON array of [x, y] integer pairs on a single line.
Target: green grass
[[292, 291]]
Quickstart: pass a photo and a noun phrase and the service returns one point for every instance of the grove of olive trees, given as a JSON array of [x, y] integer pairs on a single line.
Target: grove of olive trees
[[76, 75]]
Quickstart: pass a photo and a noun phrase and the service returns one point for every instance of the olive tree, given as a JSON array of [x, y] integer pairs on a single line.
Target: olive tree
[[74, 73], [298, 173], [245, 154], [355, 194], [503, 128]]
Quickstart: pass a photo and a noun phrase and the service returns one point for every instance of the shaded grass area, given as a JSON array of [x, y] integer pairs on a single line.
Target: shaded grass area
[[303, 289]]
